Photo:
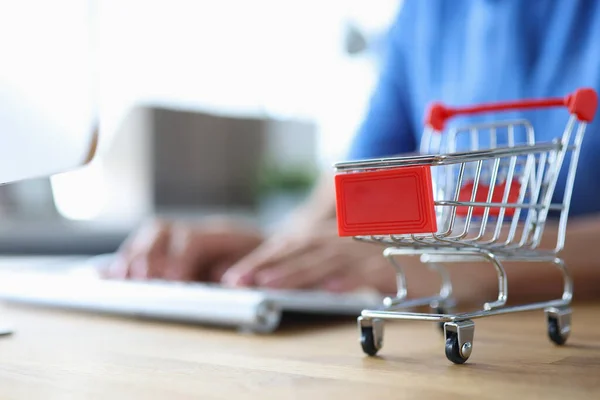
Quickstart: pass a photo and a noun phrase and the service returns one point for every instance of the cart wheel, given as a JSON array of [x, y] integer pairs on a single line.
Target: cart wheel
[[367, 341], [371, 335], [459, 340], [453, 350], [559, 324], [554, 332]]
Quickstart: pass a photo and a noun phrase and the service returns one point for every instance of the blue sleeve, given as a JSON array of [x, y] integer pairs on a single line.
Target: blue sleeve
[[386, 129]]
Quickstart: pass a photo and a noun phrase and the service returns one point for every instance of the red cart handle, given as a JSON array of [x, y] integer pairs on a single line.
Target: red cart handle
[[582, 104]]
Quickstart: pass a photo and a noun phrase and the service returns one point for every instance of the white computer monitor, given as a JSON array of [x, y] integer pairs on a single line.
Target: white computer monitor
[[47, 112]]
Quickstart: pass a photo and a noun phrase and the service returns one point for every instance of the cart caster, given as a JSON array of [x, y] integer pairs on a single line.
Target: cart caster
[[371, 335], [559, 324], [459, 340], [367, 341]]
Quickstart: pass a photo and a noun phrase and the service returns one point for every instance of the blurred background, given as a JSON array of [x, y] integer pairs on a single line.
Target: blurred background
[[205, 107]]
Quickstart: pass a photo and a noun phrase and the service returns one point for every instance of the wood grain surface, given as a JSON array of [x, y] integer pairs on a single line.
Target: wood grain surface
[[68, 355]]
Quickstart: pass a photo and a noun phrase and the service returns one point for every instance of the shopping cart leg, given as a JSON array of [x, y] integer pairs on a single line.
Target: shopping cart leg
[[371, 334], [445, 304], [502, 282], [559, 318], [459, 340], [441, 300], [441, 304], [401, 292]]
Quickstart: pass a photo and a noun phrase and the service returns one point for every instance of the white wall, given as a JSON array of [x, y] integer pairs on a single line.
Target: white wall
[[283, 58]]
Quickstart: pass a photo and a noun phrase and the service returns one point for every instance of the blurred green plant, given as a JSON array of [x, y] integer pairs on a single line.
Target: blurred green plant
[[294, 179]]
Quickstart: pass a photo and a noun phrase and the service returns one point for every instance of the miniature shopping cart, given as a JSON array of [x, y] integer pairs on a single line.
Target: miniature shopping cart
[[481, 192]]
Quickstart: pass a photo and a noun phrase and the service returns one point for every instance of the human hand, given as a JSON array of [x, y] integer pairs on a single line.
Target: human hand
[[314, 259], [175, 251], [319, 259]]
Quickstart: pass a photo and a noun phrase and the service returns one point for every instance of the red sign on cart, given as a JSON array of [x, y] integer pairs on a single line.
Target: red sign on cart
[[392, 201]]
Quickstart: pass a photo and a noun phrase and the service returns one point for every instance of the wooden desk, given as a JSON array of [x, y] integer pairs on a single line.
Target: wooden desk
[[60, 355]]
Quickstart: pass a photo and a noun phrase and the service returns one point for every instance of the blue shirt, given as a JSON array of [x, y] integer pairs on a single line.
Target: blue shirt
[[463, 52]]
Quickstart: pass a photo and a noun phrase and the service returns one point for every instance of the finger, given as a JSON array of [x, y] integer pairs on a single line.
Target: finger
[[154, 255], [152, 238], [372, 273], [216, 272], [306, 271], [133, 245], [137, 268], [271, 252], [146, 252], [116, 269], [185, 258], [215, 240], [343, 282], [146, 233]]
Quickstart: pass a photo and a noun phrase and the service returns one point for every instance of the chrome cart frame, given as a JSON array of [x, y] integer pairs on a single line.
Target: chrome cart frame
[[480, 192]]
